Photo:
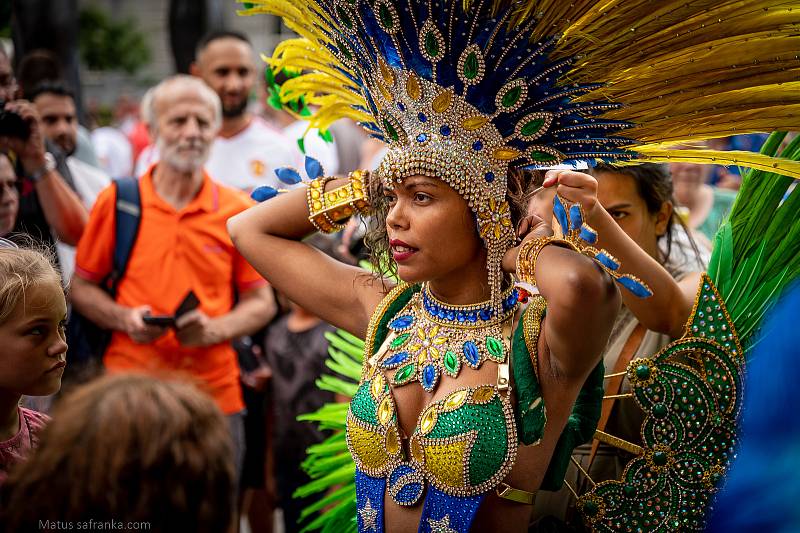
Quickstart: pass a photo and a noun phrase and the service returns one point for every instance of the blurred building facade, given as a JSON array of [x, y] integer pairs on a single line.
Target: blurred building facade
[[153, 20]]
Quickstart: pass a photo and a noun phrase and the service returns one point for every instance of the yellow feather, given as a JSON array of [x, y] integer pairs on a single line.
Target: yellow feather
[[659, 153]]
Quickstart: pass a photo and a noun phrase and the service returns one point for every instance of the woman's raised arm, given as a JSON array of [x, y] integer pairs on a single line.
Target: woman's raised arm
[[667, 310], [268, 236]]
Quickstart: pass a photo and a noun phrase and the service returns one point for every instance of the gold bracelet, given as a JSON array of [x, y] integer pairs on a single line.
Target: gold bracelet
[[315, 197], [327, 211], [529, 253]]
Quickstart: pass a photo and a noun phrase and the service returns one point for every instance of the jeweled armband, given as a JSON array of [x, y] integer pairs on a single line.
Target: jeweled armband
[[328, 210]]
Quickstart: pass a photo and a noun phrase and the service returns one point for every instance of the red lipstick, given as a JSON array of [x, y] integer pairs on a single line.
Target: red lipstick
[[401, 251]]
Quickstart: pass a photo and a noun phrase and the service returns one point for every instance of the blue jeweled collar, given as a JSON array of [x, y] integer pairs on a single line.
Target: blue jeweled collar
[[479, 314]]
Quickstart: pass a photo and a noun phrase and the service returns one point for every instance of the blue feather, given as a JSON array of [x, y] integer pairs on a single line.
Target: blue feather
[[637, 288], [288, 175], [314, 169], [265, 192]]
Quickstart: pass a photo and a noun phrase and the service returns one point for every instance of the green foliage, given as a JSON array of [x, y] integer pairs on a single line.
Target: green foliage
[[106, 44]]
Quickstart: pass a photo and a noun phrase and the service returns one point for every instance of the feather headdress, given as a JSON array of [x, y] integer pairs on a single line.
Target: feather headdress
[[466, 89]]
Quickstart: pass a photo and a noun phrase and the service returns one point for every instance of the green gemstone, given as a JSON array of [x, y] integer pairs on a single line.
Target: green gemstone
[[345, 18], [532, 127], [386, 16], [431, 44], [536, 155], [471, 66], [660, 458], [642, 371], [495, 348], [628, 490], [400, 340], [659, 410], [511, 97], [345, 51], [451, 362], [390, 130], [590, 508], [404, 374]]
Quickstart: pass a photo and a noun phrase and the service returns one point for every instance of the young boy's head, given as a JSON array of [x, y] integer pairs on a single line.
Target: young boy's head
[[33, 313]]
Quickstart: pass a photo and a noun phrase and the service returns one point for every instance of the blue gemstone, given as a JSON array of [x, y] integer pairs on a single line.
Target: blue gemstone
[[588, 234], [489, 177], [429, 377], [477, 146], [460, 316], [422, 137], [451, 315], [395, 360], [422, 117], [401, 106], [486, 314], [471, 353], [401, 322], [445, 130], [441, 314], [472, 317]]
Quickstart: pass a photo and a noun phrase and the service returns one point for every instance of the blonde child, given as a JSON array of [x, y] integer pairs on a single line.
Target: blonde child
[[33, 351]]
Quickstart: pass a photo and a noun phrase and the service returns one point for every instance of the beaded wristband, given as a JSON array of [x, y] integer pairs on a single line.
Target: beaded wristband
[[315, 197], [529, 253], [327, 210]]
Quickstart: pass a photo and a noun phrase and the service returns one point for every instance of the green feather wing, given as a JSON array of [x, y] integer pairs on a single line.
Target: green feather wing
[[757, 250], [329, 464]]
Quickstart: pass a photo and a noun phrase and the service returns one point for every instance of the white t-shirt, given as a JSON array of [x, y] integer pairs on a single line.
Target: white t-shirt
[[245, 161], [249, 159], [316, 147], [114, 152]]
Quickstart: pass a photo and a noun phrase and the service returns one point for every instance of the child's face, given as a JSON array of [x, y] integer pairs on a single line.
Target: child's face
[[33, 343]]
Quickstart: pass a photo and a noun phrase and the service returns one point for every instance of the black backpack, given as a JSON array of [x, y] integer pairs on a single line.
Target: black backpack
[[87, 341]]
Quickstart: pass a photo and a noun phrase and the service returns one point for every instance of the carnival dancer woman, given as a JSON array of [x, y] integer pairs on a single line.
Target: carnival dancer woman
[[464, 94], [435, 243]]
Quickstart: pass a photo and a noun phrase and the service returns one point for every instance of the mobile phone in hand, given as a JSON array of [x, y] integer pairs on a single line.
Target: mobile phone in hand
[[163, 321]]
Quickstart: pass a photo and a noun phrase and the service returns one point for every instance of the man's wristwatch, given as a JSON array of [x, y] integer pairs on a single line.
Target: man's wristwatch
[[49, 166]]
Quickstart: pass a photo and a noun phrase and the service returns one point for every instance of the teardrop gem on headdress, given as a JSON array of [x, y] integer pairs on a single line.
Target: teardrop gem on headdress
[[471, 66], [413, 88], [442, 102], [533, 126], [474, 123], [511, 96]]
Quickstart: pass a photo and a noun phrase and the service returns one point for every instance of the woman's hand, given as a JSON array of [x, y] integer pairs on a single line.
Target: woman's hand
[[575, 187]]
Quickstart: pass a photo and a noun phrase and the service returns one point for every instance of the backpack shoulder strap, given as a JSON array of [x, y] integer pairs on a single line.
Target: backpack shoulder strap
[[127, 215]]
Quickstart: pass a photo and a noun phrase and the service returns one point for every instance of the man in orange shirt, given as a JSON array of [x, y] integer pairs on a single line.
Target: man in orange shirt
[[182, 246]]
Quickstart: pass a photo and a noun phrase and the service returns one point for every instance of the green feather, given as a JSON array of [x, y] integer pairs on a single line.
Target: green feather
[[757, 250], [342, 493], [329, 464], [336, 385], [343, 474], [346, 345]]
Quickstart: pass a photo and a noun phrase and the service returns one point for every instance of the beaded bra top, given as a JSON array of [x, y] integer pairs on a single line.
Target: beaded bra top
[[464, 444]]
